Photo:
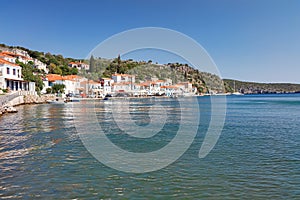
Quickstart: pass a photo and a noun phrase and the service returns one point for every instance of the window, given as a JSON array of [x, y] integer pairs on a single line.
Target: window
[[14, 72], [7, 70]]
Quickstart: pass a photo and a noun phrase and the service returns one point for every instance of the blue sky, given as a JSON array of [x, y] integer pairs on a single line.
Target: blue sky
[[253, 40]]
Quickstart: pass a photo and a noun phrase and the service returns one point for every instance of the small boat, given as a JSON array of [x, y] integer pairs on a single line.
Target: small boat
[[56, 101], [237, 93]]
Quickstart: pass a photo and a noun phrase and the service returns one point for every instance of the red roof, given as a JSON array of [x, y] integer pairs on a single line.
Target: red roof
[[2, 61], [15, 55], [56, 77], [169, 86], [122, 75]]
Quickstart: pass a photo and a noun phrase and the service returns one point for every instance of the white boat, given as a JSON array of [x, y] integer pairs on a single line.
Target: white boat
[[235, 92]]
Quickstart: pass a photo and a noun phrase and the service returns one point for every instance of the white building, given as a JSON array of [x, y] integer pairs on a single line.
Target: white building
[[11, 77], [79, 65], [40, 65], [8, 57], [13, 57], [106, 84], [72, 83], [24, 59], [118, 78], [123, 82], [122, 87]]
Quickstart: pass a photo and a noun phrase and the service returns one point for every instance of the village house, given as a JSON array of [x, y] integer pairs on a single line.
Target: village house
[[72, 83], [122, 87], [170, 90], [106, 84], [11, 77], [118, 78], [91, 88], [79, 65], [13, 57], [9, 55], [123, 83], [8, 58]]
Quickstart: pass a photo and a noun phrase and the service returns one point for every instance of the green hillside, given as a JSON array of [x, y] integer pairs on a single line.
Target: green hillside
[[261, 88]]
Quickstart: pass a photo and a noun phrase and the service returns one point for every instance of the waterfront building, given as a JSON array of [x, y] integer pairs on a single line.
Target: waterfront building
[[11, 77], [72, 83], [170, 90], [106, 84]]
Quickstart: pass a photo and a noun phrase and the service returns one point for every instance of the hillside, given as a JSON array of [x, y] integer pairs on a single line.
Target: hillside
[[261, 88], [56, 64], [177, 72], [147, 70]]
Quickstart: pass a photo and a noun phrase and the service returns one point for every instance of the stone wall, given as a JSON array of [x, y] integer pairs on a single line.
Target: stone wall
[[25, 99]]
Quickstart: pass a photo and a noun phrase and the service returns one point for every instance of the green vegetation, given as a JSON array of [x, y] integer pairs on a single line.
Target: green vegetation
[[56, 88], [146, 70], [56, 64], [92, 64], [27, 74], [261, 88], [4, 90]]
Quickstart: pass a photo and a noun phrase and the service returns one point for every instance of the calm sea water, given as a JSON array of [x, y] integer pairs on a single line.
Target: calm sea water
[[256, 157]]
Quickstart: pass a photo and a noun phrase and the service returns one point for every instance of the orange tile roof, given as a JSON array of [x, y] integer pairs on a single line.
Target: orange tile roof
[[142, 84], [77, 63], [56, 77], [5, 55], [122, 83], [2, 61], [129, 75], [73, 63], [169, 86], [16, 55]]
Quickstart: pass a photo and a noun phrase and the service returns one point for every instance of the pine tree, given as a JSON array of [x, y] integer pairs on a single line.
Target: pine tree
[[92, 64]]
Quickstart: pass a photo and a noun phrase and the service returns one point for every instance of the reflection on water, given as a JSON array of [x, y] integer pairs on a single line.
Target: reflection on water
[[257, 156]]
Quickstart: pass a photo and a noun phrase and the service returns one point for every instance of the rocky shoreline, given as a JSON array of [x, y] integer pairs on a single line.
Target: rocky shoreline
[[26, 99]]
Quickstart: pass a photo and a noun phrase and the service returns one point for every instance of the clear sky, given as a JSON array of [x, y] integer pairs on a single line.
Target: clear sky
[[253, 40]]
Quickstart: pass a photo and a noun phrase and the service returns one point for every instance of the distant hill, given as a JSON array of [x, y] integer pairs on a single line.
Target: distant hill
[[261, 88]]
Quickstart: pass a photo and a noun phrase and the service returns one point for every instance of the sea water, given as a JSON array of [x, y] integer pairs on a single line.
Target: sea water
[[256, 157]]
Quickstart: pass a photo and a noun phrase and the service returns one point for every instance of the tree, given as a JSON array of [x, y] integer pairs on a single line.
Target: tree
[[57, 70], [74, 71], [56, 88], [27, 74], [65, 70], [49, 90], [92, 64]]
